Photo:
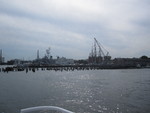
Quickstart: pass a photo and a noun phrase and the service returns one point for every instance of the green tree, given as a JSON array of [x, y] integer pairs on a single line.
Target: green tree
[[144, 57]]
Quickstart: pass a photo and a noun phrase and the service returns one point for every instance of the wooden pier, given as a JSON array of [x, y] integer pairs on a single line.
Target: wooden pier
[[63, 68]]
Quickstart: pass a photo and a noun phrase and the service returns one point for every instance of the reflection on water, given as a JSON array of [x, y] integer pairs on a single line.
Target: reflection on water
[[94, 91]]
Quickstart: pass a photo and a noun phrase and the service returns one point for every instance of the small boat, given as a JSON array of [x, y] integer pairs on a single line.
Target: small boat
[[39, 108]]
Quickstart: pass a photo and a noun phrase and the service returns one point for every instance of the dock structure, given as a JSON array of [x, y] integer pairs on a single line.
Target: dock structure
[[63, 68]]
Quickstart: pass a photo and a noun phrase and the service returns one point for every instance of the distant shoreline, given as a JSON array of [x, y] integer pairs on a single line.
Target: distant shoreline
[[11, 68]]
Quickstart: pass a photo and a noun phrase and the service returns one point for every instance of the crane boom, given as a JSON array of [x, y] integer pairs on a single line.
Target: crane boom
[[100, 49], [98, 54]]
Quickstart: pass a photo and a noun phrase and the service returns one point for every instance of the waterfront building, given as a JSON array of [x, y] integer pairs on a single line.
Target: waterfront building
[[131, 62], [64, 61]]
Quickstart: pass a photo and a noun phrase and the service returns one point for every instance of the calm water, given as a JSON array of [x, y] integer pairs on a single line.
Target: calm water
[[94, 91]]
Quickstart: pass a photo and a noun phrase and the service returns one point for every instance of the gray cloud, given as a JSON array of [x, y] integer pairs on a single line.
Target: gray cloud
[[69, 27]]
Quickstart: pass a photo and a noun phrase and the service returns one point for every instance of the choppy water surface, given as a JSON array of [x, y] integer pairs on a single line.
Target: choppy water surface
[[93, 91]]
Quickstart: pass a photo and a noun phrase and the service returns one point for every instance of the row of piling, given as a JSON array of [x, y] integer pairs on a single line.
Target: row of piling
[[34, 69], [62, 68]]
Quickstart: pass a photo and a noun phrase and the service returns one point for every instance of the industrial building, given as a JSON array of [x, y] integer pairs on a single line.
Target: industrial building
[[133, 62], [48, 60], [64, 61]]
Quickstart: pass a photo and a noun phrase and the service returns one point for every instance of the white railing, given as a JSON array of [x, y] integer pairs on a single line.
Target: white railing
[[38, 108]]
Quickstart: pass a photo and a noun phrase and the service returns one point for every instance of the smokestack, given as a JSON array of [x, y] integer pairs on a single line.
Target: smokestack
[[1, 56], [1, 53], [37, 54]]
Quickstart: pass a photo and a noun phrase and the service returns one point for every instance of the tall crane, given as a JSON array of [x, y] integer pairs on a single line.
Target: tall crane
[[48, 52], [100, 56], [100, 53]]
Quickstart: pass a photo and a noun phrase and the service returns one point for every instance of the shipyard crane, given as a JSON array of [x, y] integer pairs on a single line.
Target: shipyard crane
[[100, 56], [101, 52], [100, 49], [48, 52]]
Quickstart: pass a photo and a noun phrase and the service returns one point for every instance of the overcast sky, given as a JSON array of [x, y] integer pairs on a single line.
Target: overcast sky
[[69, 26]]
